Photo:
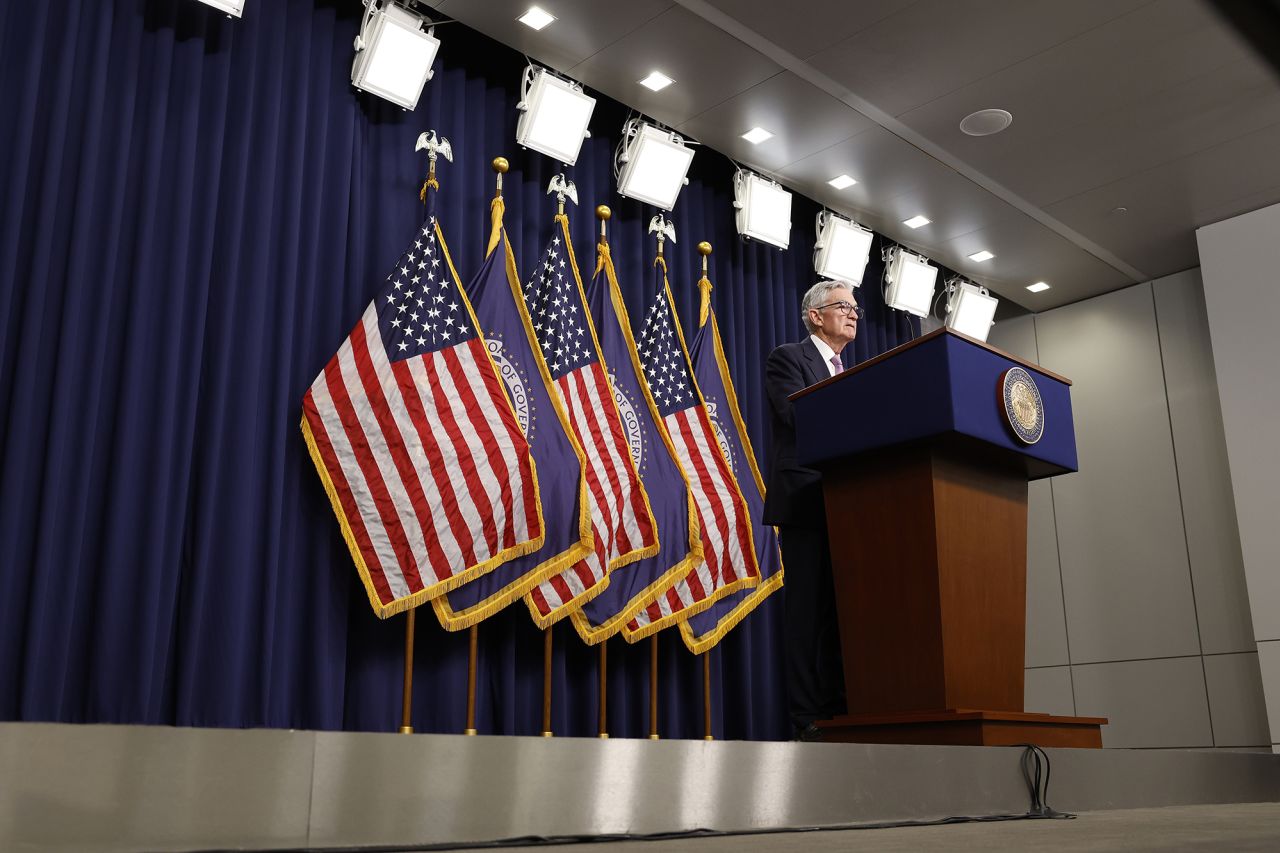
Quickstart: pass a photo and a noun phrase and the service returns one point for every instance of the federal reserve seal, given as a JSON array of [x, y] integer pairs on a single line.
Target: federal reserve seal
[[723, 440], [511, 377], [1023, 408], [630, 423]]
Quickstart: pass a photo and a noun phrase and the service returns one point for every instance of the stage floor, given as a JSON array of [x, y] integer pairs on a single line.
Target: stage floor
[[1245, 828]]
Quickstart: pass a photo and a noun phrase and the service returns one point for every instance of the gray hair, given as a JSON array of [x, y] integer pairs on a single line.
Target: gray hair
[[819, 294]]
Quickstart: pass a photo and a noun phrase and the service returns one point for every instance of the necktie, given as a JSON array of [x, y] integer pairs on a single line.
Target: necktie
[[837, 364]]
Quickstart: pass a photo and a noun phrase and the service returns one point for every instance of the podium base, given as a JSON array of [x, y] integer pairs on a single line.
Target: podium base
[[962, 727]]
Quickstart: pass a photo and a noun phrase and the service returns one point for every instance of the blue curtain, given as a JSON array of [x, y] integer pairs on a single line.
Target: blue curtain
[[195, 212]]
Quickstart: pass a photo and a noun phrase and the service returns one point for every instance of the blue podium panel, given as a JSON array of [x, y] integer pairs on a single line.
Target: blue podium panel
[[943, 384]]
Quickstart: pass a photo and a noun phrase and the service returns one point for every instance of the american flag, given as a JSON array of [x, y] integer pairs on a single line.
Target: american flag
[[419, 450], [621, 519], [729, 558], [711, 370], [680, 542]]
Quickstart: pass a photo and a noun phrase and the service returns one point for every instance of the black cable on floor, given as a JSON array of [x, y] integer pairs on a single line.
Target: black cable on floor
[[1040, 807]]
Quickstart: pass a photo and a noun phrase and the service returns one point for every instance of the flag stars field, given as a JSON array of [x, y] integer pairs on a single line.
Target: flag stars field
[[420, 330]]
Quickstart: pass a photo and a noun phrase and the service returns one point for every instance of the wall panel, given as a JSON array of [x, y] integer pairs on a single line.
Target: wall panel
[[1120, 539]]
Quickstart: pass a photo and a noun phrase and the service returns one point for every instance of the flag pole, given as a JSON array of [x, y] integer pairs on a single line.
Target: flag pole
[[546, 680], [435, 146], [500, 167], [604, 691], [706, 694], [406, 708], [603, 213], [704, 285], [653, 687], [471, 680]]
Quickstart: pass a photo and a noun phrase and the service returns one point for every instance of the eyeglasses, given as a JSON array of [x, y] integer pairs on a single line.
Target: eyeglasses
[[844, 308]]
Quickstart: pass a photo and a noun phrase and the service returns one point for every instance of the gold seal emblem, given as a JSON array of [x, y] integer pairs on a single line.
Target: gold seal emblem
[[1023, 407]]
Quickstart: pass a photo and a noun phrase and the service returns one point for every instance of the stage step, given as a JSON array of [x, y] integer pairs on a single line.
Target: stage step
[[157, 788]]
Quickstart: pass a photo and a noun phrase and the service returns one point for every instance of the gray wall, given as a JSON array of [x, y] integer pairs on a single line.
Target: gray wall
[[1240, 258], [1137, 608]]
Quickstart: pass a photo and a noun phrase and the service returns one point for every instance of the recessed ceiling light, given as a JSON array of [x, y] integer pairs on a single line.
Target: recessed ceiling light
[[1037, 287], [984, 255], [657, 81], [756, 135], [536, 18], [986, 122], [842, 182], [916, 221]]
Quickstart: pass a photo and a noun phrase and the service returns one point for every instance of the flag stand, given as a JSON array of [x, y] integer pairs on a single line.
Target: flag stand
[[603, 733], [653, 687], [546, 681], [406, 708], [471, 681], [706, 694]]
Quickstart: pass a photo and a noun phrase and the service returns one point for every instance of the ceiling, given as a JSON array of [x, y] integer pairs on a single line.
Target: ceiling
[[1134, 121]]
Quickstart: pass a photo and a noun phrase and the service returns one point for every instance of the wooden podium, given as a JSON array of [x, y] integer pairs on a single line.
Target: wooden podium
[[926, 501]]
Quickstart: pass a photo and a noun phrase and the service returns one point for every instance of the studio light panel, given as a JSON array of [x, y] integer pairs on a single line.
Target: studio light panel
[[911, 283], [555, 116], [231, 7], [844, 252], [971, 311], [396, 56], [655, 167], [764, 209]]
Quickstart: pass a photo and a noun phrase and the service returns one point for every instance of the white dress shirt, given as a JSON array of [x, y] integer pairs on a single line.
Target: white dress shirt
[[827, 353]]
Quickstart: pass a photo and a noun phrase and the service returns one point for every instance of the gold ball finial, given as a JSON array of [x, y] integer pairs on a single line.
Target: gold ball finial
[[500, 165], [704, 248], [603, 212]]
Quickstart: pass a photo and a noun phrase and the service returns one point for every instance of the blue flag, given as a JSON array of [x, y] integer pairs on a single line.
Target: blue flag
[[680, 548], [710, 367], [500, 310]]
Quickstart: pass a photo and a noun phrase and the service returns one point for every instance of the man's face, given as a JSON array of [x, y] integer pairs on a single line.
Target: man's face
[[836, 325]]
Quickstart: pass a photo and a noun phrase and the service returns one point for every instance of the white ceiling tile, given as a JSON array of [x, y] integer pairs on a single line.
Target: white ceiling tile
[[708, 65], [578, 32], [802, 117], [807, 29], [937, 46], [1146, 88], [1168, 202], [1026, 252]]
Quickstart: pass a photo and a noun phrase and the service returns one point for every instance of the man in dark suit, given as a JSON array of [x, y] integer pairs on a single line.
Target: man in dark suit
[[793, 502]]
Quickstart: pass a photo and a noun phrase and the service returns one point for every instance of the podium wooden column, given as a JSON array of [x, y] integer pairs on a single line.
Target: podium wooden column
[[926, 500]]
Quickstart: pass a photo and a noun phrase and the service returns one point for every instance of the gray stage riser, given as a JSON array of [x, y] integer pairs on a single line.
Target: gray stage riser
[[127, 787]]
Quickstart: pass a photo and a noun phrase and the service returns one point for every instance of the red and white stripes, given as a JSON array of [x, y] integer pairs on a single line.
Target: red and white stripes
[[430, 468], [620, 515], [722, 514]]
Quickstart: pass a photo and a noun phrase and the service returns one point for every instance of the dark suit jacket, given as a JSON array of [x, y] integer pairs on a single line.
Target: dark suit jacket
[[793, 494]]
